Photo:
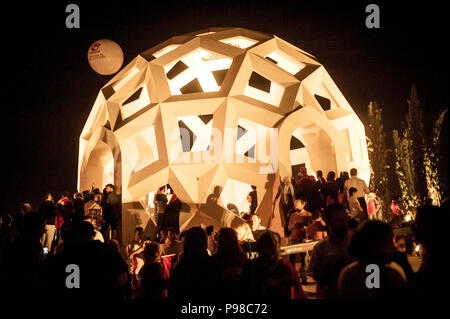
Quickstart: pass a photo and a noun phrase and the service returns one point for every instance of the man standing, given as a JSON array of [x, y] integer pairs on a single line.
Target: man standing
[[361, 188], [321, 184], [111, 212], [160, 202], [287, 193], [254, 200], [306, 186]]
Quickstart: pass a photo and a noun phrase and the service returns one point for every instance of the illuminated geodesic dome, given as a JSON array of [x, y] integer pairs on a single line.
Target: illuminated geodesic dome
[[211, 113]]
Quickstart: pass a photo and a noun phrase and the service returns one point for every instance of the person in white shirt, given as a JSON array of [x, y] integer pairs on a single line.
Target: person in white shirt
[[356, 211], [361, 188]]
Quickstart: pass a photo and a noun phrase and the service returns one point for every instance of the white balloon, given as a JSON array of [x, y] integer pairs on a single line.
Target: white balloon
[[105, 57]]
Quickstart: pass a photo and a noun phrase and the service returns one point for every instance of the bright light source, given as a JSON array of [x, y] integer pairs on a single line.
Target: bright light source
[[129, 109], [167, 49], [206, 33], [201, 63], [285, 62], [239, 41], [132, 72], [274, 97]]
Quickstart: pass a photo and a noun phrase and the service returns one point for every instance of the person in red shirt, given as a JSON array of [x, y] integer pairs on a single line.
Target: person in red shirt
[[394, 208], [372, 206], [299, 220], [396, 211]]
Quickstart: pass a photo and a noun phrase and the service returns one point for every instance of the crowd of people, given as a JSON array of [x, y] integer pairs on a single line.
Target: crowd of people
[[350, 191], [38, 246]]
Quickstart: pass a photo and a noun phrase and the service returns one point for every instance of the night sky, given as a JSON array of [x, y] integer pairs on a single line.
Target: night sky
[[51, 88]]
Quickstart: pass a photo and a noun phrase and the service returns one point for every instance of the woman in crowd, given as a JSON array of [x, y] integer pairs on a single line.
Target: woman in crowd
[[268, 276], [230, 260], [153, 277], [196, 271]]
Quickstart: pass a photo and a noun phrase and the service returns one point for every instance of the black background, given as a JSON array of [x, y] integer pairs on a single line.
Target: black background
[[49, 88]]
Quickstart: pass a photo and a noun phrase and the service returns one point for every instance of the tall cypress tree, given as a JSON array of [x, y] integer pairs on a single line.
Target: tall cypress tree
[[431, 160], [415, 130], [377, 156], [417, 157]]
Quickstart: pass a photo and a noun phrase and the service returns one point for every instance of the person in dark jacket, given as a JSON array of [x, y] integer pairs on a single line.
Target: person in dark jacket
[[196, 271], [111, 211], [306, 186], [331, 189]]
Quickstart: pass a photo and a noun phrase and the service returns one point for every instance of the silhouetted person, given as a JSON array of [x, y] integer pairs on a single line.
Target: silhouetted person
[[172, 212], [230, 260], [331, 189], [432, 277], [6, 236], [305, 185], [67, 211], [401, 259], [372, 246], [78, 206], [103, 272], [268, 276], [210, 234], [330, 255], [196, 271], [111, 211], [320, 183], [253, 200], [160, 201], [17, 218], [153, 278], [20, 264], [47, 210]]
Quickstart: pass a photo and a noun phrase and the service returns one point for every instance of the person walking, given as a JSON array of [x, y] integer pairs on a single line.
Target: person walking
[[287, 194]]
